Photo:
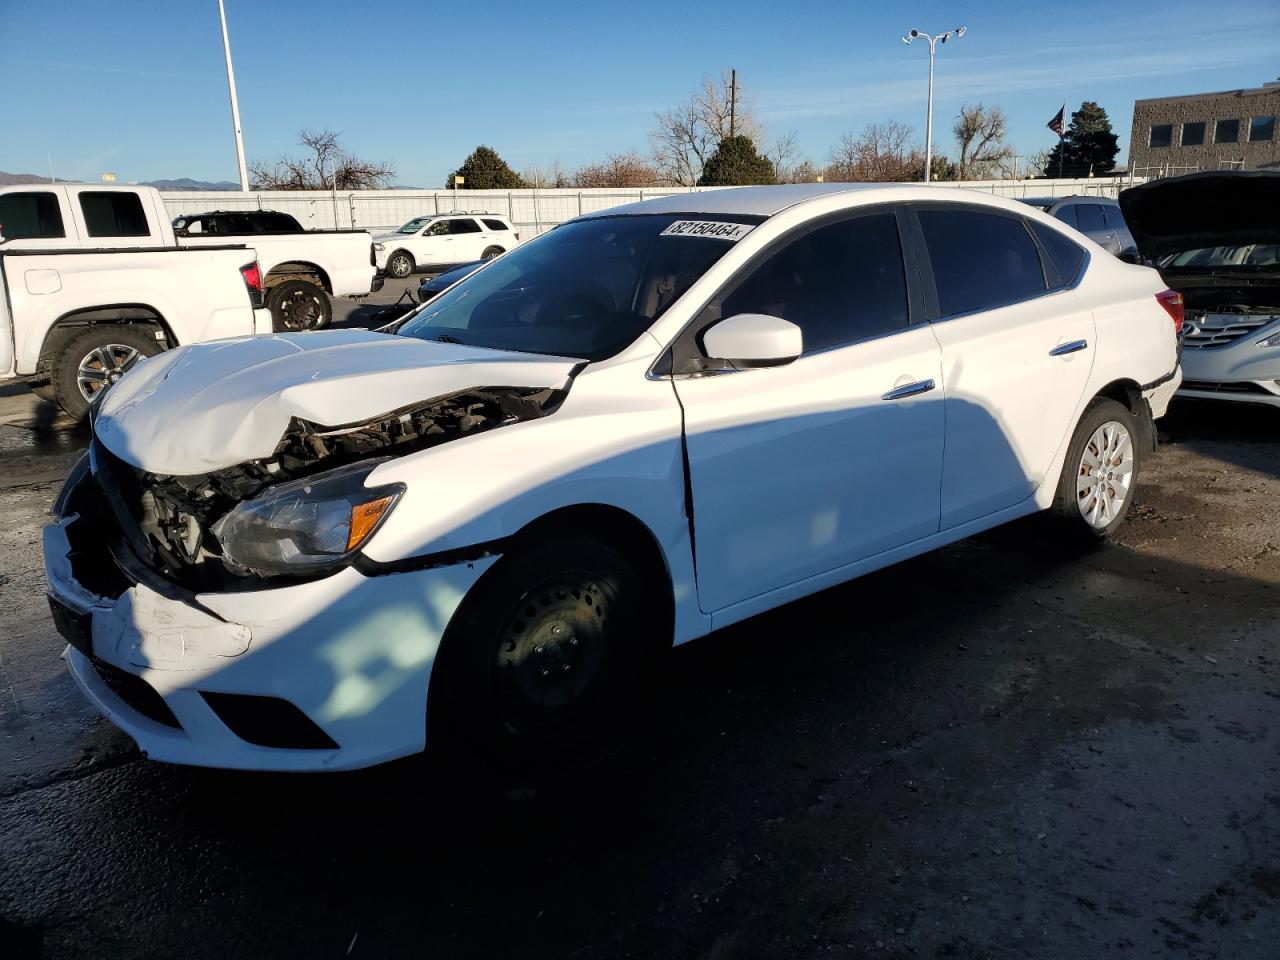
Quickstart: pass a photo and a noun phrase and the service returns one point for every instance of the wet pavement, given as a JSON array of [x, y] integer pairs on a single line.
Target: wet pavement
[[1004, 749]]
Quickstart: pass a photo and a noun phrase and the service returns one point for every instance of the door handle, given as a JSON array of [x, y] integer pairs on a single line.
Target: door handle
[[1074, 346], [909, 390]]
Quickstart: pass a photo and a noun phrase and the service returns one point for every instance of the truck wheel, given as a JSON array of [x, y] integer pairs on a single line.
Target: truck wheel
[[399, 265], [95, 360], [491, 252], [298, 305]]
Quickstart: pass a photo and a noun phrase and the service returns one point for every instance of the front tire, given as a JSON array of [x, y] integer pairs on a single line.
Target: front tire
[[399, 265], [96, 359], [1100, 471], [491, 252], [299, 305], [544, 655]]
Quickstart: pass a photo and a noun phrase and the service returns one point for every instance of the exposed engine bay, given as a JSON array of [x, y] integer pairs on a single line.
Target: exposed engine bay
[[167, 520]]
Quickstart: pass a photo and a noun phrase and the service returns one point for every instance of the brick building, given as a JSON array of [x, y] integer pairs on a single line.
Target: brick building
[[1233, 129]]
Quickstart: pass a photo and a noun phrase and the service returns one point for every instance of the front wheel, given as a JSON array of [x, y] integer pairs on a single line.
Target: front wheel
[[399, 265], [95, 360], [491, 252], [1099, 473], [298, 305], [544, 653]]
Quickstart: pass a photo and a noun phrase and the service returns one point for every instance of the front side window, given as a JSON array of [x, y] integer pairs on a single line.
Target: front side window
[[463, 225], [438, 229], [1193, 134], [980, 260], [839, 283], [1262, 128], [1089, 216], [585, 289], [495, 224], [1161, 135], [34, 215], [113, 214], [1226, 131]]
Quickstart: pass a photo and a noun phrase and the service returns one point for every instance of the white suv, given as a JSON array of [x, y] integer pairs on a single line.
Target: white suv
[[316, 551], [443, 241]]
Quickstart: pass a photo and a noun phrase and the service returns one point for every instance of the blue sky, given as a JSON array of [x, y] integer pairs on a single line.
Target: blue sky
[[138, 87]]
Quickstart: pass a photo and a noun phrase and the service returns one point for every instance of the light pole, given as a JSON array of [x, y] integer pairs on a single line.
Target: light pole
[[914, 34], [235, 106]]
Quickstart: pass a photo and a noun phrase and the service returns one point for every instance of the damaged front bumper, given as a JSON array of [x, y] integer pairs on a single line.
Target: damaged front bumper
[[329, 674]]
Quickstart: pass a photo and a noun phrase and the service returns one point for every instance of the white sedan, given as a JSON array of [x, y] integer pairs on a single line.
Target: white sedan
[[320, 551], [443, 241]]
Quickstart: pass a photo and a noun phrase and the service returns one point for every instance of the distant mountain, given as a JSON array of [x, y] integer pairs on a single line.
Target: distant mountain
[[183, 183]]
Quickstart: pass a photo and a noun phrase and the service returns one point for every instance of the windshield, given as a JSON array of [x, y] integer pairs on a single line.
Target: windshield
[[586, 289], [1247, 255], [414, 225]]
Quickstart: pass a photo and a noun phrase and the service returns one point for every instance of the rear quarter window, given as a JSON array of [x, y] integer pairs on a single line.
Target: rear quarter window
[[980, 260], [1067, 257], [495, 224], [26, 216], [112, 214]]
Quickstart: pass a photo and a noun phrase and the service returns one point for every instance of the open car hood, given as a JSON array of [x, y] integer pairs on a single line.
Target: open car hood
[[1211, 209], [213, 405]]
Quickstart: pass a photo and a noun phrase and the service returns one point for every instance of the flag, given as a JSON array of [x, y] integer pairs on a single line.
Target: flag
[[1057, 123]]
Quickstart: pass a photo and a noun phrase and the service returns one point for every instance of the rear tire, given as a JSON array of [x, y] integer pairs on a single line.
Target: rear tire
[[399, 265], [544, 656], [96, 359], [298, 305], [1099, 475], [491, 252]]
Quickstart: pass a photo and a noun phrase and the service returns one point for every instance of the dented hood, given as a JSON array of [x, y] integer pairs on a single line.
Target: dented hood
[[213, 405]]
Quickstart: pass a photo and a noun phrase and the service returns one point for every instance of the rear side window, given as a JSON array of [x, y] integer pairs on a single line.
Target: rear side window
[[838, 283], [463, 226], [1067, 257], [1067, 215], [25, 216], [495, 224], [1113, 217], [277, 223], [111, 214], [1090, 217], [980, 260]]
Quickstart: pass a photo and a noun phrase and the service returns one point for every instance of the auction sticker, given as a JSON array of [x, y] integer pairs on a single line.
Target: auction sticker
[[716, 229]]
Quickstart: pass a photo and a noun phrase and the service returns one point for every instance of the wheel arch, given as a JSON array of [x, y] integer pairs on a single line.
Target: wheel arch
[[68, 326], [298, 270], [408, 253], [1128, 393]]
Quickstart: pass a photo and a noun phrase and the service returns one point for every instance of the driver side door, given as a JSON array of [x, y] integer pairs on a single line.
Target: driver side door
[[431, 247], [797, 470]]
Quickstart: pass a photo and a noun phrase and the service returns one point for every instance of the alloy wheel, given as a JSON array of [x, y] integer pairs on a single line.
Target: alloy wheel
[[103, 366]]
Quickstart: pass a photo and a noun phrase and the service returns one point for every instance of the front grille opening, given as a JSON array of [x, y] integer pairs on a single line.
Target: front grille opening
[[137, 693], [268, 722], [1214, 386]]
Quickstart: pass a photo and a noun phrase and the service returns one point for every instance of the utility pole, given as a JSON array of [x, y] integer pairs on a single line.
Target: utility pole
[[733, 101], [933, 42], [235, 105]]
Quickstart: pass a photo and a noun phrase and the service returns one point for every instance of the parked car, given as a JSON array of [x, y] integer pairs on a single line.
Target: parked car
[[315, 552], [434, 286], [1098, 218], [84, 296], [235, 223], [1215, 237], [443, 241]]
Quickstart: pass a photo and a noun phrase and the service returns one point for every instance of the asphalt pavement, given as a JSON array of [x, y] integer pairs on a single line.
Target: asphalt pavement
[[1004, 749]]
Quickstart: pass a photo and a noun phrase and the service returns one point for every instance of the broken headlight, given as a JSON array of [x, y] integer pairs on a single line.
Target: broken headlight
[[307, 526]]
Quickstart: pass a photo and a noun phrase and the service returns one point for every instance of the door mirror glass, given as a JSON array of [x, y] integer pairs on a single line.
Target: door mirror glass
[[753, 340]]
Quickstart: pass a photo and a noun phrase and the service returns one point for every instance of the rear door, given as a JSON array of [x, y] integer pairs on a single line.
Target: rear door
[[6, 326], [468, 239], [1017, 349], [115, 218]]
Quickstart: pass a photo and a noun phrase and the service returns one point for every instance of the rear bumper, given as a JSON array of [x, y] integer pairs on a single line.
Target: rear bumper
[[1158, 397], [379, 280], [347, 660]]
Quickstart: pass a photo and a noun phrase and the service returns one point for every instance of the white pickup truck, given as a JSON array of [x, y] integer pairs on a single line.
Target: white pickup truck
[[86, 291]]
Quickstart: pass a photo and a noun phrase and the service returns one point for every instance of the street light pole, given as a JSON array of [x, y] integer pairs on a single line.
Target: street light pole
[[913, 34], [235, 105]]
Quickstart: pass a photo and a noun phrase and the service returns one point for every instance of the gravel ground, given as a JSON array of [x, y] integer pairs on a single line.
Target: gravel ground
[[1004, 749]]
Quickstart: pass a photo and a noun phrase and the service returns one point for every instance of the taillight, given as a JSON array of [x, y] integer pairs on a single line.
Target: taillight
[[253, 283], [1171, 300], [517, 236]]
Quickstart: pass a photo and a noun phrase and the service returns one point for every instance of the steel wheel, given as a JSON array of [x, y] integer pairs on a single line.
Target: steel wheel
[[1105, 474], [103, 366]]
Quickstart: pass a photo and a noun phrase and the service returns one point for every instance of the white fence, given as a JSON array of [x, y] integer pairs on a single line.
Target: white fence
[[532, 211]]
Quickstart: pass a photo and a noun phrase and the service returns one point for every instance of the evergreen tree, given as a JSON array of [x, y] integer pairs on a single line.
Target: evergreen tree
[[485, 170], [736, 162], [1088, 145]]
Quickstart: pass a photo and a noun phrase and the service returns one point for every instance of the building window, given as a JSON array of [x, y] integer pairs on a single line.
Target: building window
[[1193, 134], [1161, 135], [1226, 131], [1262, 128]]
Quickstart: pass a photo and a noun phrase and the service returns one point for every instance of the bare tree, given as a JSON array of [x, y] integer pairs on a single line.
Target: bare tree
[[617, 170], [784, 155], [687, 134], [803, 172], [547, 175], [980, 136], [883, 152], [325, 165]]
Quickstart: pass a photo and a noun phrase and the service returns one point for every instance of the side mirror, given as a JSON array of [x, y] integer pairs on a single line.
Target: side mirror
[[753, 340]]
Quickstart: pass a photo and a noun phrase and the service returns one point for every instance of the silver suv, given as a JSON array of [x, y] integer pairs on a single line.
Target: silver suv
[[1098, 218]]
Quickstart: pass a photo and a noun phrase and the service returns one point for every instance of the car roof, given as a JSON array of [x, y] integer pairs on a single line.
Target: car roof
[[219, 213], [1074, 196], [748, 201]]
